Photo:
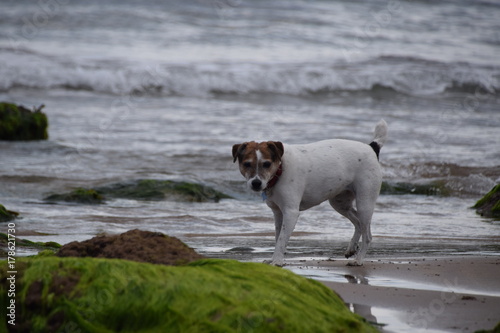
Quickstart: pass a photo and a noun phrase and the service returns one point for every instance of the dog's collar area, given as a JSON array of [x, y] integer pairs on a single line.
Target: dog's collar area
[[275, 178]]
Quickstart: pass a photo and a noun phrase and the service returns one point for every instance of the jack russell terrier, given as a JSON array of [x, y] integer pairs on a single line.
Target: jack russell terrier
[[293, 178]]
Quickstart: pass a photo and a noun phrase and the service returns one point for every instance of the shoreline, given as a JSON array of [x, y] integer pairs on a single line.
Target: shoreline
[[441, 294]]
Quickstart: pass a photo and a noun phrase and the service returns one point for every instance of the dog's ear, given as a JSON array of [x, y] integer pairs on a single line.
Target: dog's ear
[[277, 148], [238, 150]]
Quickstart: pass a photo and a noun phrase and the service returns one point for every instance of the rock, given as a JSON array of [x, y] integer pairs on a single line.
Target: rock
[[241, 249], [143, 189], [433, 188], [108, 295], [19, 123], [496, 329], [7, 215], [153, 189], [79, 195], [25, 244], [489, 205], [136, 245]]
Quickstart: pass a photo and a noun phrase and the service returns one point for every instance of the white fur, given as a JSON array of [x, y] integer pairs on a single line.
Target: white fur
[[380, 135], [336, 170], [258, 153]]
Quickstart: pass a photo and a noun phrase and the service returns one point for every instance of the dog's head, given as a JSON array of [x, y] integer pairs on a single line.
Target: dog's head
[[258, 161]]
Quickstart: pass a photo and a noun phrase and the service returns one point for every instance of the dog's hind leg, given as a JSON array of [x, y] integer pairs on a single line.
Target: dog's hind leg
[[365, 207], [342, 203]]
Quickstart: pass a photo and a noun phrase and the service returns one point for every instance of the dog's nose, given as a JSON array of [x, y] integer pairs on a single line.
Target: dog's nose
[[256, 184]]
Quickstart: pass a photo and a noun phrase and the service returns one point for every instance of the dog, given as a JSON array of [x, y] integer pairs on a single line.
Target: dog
[[293, 178]]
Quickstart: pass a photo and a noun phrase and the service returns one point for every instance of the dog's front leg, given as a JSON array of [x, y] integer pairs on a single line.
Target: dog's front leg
[[278, 218], [278, 222], [290, 217]]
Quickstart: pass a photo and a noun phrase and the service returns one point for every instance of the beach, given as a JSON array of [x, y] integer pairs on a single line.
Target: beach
[[442, 294], [434, 289]]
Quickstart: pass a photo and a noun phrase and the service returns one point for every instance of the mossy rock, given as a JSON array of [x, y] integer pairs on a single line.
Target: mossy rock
[[143, 189], [112, 295], [20, 242], [437, 188], [27, 245], [7, 215], [19, 123], [152, 189], [489, 205], [79, 195], [496, 329]]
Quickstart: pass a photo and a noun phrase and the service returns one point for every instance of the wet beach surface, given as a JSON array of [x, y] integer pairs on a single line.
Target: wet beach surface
[[428, 293]]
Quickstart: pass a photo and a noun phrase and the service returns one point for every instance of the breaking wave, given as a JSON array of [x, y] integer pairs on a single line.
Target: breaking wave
[[405, 75]]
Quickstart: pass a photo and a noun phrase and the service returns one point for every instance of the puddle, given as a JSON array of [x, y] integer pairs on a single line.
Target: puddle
[[344, 276], [389, 320]]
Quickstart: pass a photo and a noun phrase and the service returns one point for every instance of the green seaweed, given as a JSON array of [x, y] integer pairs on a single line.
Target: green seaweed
[[20, 242], [110, 295], [7, 215], [46, 247], [437, 188], [19, 123], [79, 195], [496, 329], [143, 189], [153, 189], [489, 205]]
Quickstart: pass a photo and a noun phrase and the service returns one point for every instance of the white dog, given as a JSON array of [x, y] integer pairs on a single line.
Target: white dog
[[293, 178]]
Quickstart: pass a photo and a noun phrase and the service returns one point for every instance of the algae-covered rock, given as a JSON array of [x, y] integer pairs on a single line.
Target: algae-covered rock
[[433, 188], [20, 242], [496, 329], [24, 244], [19, 123], [110, 295], [136, 245], [143, 189], [7, 215], [153, 189], [489, 205], [79, 195]]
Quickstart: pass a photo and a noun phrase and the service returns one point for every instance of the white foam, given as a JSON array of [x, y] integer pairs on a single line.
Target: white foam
[[28, 69]]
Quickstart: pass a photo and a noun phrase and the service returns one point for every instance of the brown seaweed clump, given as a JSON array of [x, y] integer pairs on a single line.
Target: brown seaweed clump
[[135, 245]]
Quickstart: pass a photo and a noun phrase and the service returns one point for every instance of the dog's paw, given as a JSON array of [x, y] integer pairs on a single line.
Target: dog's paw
[[349, 253], [354, 264], [274, 263]]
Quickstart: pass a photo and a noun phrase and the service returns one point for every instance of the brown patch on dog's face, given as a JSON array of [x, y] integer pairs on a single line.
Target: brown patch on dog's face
[[258, 161]]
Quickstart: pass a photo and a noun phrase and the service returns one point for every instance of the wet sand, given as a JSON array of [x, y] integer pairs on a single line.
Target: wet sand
[[445, 294]]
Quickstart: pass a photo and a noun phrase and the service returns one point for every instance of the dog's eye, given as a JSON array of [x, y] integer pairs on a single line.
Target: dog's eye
[[266, 165], [247, 165]]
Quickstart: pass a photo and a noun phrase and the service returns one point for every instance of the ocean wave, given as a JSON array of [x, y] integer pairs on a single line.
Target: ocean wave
[[436, 178], [405, 75]]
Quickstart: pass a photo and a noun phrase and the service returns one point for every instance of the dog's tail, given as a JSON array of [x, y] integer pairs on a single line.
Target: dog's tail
[[380, 136]]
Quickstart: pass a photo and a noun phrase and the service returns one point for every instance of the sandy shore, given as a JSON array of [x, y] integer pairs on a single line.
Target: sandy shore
[[450, 294]]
